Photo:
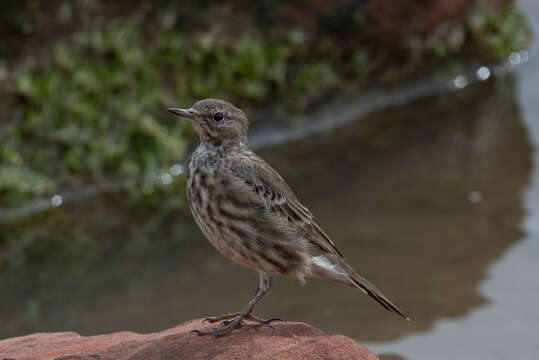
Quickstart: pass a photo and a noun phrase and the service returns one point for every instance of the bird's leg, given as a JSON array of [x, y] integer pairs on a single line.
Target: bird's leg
[[213, 319], [226, 318], [233, 321]]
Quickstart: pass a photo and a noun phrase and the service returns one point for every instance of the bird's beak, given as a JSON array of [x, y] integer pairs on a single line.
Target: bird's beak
[[186, 113]]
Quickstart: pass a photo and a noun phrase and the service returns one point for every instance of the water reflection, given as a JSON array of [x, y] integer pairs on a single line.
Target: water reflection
[[483, 73], [176, 169], [460, 82], [57, 200], [507, 327], [394, 190]]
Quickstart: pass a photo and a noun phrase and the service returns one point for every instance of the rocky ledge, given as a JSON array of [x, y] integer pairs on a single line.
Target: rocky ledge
[[288, 340]]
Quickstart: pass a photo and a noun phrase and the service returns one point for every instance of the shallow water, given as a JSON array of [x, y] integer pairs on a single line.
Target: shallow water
[[422, 198], [507, 326], [434, 201]]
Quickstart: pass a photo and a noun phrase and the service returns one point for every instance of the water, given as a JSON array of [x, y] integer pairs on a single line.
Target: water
[[507, 326], [435, 201]]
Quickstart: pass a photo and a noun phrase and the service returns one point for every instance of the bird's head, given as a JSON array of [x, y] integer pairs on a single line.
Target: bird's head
[[216, 120]]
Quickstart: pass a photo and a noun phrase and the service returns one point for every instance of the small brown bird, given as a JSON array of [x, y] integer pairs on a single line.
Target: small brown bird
[[250, 214]]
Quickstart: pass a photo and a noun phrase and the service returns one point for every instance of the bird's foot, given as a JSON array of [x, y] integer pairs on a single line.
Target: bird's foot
[[214, 319], [226, 318], [259, 322], [231, 324], [234, 321]]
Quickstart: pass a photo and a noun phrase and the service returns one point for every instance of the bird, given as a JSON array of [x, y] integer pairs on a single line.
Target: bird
[[250, 214]]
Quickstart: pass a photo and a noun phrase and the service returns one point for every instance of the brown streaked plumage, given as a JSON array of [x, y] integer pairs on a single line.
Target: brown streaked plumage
[[250, 214]]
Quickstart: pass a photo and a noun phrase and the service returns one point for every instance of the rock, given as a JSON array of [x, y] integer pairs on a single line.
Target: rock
[[289, 340]]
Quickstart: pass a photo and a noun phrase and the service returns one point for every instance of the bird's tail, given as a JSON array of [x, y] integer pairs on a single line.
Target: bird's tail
[[337, 269]]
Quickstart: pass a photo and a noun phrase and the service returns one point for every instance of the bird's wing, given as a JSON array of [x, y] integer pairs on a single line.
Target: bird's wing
[[280, 200], [274, 194]]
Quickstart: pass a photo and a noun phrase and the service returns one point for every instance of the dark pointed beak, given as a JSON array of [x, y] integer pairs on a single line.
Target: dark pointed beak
[[186, 113]]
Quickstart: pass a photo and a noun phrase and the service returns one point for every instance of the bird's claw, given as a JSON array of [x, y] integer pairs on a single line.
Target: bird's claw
[[238, 325], [215, 332], [226, 322], [258, 326], [271, 320], [200, 332], [231, 323], [214, 319], [227, 318]]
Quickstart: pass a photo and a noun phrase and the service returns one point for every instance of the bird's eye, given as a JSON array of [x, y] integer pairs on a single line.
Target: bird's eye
[[218, 116]]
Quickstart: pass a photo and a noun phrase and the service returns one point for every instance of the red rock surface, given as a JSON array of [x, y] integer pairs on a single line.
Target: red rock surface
[[288, 340]]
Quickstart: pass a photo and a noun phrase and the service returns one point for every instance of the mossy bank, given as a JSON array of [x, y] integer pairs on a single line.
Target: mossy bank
[[84, 84]]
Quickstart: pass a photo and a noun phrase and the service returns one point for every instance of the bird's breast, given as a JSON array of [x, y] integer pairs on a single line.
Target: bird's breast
[[237, 222]]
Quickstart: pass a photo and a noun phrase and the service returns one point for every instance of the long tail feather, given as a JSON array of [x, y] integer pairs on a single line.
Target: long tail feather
[[377, 295], [338, 270]]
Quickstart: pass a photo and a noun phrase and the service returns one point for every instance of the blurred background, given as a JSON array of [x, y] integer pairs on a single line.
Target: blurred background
[[410, 128]]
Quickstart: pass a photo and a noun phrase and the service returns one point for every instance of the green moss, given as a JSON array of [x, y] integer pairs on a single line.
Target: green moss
[[487, 34], [499, 33], [91, 106]]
